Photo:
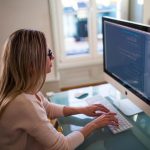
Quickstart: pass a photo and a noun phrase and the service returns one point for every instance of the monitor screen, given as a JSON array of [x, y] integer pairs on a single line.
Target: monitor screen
[[127, 56]]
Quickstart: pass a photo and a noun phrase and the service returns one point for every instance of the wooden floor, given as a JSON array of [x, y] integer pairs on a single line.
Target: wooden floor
[[80, 86]]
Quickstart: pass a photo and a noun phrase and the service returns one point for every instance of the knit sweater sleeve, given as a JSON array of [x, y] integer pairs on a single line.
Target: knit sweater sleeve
[[53, 110], [32, 118]]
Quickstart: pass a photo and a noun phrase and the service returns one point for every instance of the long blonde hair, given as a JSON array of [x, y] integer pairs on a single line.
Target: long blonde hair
[[23, 65]]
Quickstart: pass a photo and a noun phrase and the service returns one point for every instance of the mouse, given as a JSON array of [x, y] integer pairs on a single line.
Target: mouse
[[81, 95]]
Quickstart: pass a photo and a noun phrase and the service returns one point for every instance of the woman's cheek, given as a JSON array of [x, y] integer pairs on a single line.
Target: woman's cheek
[[48, 66]]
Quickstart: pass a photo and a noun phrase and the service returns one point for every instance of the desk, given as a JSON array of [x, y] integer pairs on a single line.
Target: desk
[[136, 138]]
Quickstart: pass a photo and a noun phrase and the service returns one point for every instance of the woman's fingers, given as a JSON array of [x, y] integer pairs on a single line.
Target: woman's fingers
[[112, 119], [114, 123], [107, 119], [98, 113], [101, 107], [110, 114]]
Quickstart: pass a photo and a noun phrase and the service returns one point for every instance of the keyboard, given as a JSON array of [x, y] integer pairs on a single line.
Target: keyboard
[[124, 124]]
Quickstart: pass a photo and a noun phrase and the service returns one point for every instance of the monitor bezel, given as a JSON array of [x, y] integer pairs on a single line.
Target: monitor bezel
[[128, 89]]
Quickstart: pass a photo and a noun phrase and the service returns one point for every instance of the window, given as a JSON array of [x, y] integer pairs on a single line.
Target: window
[[78, 28], [105, 8], [75, 24]]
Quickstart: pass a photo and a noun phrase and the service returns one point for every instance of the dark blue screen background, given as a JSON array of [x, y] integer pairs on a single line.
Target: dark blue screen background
[[127, 56]]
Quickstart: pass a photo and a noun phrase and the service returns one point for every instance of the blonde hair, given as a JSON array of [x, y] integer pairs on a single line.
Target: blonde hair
[[23, 65]]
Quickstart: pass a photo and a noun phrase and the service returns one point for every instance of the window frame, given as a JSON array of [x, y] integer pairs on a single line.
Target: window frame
[[94, 57]]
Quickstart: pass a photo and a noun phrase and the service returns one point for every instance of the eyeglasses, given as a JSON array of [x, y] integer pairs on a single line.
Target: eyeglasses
[[50, 54]]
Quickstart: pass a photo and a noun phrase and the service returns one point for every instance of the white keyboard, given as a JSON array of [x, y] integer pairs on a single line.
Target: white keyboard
[[124, 124]]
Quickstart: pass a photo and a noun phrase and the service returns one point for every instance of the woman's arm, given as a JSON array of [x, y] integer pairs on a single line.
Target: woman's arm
[[93, 110], [104, 119], [31, 117], [55, 110]]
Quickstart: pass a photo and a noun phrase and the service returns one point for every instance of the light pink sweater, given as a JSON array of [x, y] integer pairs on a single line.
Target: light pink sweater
[[25, 126]]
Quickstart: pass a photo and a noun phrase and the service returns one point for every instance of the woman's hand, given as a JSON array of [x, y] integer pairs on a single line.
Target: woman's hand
[[99, 122], [94, 110], [105, 119]]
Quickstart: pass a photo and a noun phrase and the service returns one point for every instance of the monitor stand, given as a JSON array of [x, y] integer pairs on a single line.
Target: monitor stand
[[127, 107]]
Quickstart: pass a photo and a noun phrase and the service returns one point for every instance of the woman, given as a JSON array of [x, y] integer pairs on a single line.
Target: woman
[[24, 111]]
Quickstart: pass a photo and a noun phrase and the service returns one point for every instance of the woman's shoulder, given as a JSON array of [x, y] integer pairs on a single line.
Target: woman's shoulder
[[23, 100], [20, 105]]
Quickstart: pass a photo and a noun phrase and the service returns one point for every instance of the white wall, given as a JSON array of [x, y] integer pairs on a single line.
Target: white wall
[[146, 12], [139, 12], [136, 11], [82, 75], [17, 14]]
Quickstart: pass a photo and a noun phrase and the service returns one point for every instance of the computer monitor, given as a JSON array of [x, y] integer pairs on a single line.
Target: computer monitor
[[126, 59]]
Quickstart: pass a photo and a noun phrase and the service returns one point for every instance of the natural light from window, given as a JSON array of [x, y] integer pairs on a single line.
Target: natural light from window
[[76, 24]]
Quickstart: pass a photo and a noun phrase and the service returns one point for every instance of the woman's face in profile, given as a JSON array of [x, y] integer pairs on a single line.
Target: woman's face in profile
[[49, 64]]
